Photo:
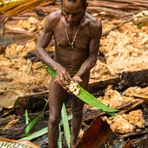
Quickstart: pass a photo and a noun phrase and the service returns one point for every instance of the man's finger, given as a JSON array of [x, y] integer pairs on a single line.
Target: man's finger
[[79, 79], [66, 77], [63, 81], [56, 79], [69, 77]]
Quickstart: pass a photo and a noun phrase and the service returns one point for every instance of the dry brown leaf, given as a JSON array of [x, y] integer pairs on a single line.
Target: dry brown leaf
[[24, 143], [8, 99]]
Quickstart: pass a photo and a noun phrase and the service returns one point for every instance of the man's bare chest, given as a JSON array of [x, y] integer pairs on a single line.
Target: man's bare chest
[[76, 37]]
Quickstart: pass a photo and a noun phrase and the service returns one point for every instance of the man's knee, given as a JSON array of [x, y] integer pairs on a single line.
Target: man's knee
[[54, 119], [77, 112]]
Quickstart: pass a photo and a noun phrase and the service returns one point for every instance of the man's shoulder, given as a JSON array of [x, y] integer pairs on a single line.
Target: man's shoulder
[[95, 25], [52, 19], [54, 16], [93, 21]]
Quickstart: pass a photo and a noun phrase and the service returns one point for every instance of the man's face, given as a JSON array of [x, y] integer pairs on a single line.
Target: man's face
[[72, 12]]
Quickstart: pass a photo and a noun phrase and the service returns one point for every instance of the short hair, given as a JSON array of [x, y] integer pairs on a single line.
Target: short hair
[[83, 2]]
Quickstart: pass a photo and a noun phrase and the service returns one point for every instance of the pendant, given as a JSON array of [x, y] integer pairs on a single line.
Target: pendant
[[72, 45]]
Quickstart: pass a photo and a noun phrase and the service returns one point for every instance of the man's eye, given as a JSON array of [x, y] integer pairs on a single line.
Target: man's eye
[[74, 14], [66, 12]]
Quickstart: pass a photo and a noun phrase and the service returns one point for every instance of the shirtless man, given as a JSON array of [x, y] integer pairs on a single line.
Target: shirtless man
[[77, 35]]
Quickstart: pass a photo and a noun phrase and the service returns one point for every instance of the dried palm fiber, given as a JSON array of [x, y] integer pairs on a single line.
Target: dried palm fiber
[[16, 143], [124, 8], [20, 6]]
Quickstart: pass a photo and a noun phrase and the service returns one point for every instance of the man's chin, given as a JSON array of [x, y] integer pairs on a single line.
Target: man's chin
[[71, 23]]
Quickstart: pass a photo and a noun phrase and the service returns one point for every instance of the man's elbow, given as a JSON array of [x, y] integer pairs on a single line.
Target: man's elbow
[[38, 51], [92, 63], [94, 60]]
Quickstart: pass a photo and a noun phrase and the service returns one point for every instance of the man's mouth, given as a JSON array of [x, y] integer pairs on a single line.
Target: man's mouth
[[70, 22]]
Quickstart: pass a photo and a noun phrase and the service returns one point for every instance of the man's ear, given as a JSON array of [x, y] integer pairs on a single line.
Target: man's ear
[[61, 8]]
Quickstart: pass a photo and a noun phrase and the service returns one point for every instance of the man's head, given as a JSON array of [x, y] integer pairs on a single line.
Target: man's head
[[73, 10]]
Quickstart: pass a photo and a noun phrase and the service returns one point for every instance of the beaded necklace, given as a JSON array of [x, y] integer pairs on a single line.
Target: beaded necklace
[[71, 44]]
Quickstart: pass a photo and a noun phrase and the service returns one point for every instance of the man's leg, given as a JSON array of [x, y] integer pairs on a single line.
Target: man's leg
[[77, 111], [56, 99]]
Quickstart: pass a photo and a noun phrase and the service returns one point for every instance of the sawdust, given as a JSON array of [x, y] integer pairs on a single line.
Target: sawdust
[[126, 123], [125, 49], [114, 99]]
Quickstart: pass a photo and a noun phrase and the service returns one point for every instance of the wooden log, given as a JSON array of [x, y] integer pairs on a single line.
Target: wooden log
[[122, 80], [131, 1], [141, 142], [13, 133], [130, 107], [135, 134], [117, 13], [101, 85], [144, 97], [116, 5], [19, 31], [92, 114], [37, 95], [17, 131], [135, 78]]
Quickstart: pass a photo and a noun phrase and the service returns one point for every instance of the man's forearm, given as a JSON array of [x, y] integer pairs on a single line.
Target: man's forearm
[[45, 58], [86, 66]]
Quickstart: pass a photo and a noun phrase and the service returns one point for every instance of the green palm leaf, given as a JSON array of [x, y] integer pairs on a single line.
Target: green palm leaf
[[88, 97], [30, 126], [66, 125], [60, 138], [40, 132]]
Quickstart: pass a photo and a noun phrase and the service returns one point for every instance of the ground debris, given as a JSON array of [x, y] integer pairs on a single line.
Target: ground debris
[[126, 123], [16, 143], [124, 52], [114, 98]]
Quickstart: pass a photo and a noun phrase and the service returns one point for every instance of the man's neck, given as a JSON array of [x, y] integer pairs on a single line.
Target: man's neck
[[77, 24]]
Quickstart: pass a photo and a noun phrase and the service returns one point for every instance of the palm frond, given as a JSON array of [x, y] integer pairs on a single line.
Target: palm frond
[[88, 97]]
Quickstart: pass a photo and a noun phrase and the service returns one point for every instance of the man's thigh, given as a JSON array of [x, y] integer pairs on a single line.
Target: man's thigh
[[57, 96]]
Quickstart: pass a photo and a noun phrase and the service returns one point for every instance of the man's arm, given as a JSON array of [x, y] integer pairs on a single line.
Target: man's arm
[[43, 42], [62, 74], [94, 44]]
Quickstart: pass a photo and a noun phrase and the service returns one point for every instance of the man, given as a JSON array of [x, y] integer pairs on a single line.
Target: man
[[77, 35]]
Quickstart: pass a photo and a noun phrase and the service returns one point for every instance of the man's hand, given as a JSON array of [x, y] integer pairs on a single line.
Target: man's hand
[[77, 79], [63, 77]]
